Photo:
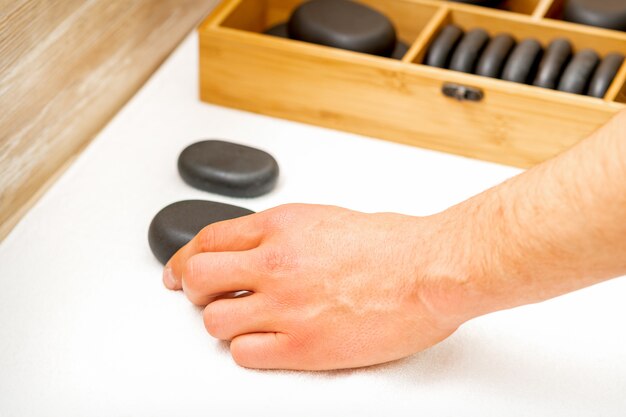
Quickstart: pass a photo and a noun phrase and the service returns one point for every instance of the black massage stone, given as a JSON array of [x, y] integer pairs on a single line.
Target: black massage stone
[[578, 73], [469, 50], [609, 14], [343, 24], [400, 50], [523, 62], [175, 225], [484, 3], [553, 63], [492, 60], [279, 30], [440, 51], [604, 75], [228, 168]]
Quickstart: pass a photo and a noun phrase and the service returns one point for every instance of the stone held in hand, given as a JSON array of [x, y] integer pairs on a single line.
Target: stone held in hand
[[175, 225]]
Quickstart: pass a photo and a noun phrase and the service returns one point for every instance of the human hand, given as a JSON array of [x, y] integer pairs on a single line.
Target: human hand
[[333, 288], [330, 288]]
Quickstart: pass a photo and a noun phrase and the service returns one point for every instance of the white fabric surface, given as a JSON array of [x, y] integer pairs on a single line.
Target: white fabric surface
[[86, 328]]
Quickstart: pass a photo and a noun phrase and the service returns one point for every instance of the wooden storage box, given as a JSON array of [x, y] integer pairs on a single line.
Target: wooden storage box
[[402, 101]]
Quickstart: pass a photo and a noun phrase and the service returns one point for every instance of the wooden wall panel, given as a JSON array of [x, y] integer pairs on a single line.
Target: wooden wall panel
[[66, 67]]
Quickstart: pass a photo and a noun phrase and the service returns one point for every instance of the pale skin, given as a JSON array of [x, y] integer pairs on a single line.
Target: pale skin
[[333, 288]]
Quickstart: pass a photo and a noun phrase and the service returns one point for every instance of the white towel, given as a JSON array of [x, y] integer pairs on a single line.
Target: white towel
[[86, 328]]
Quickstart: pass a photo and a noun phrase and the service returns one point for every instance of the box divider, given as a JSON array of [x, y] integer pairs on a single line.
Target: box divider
[[617, 91], [219, 14], [542, 9], [418, 49]]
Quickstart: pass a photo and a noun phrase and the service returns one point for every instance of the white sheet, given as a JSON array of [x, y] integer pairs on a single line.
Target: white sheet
[[86, 328]]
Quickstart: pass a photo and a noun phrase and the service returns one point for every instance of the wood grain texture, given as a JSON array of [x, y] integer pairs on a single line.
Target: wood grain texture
[[543, 8], [66, 67]]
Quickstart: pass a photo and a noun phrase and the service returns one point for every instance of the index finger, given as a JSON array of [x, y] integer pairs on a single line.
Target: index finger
[[240, 234]]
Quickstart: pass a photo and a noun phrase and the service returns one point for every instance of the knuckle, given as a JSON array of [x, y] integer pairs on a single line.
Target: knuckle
[[197, 299], [277, 261], [193, 283], [279, 217], [190, 274], [207, 239], [212, 322], [297, 344], [240, 355]]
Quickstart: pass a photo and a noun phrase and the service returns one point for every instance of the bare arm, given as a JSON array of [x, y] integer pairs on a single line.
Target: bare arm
[[556, 228], [333, 288]]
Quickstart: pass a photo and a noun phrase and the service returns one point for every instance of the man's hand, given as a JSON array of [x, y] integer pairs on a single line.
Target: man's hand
[[329, 288], [332, 288]]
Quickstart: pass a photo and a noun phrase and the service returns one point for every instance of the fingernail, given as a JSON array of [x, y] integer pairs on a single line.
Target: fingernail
[[168, 278]]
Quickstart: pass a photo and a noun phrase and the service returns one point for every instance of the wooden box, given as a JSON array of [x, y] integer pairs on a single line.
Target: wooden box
[[402, 100]]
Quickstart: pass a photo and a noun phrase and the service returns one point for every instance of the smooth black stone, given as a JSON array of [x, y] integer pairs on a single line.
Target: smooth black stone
[[279, 30], [400, 50], [496, 53], [553, 63], [578, 73], [441, 49], [604, 75], [484, 3], [228, 168], [609, 14], [523, 62], [343, 24], [469, 50], [175, 225]]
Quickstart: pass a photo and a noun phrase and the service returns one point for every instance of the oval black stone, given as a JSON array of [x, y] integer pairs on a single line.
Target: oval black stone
[[578, 73], [441, 49], [553, 63], [609, 14], [496, 53], [604, 75], [228, 168], [343, 24], [469, 50], [175, 225], [523, 62], [278, 30]]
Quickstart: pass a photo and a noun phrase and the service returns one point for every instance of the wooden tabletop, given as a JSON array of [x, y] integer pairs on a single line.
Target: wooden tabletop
[[66, 67]]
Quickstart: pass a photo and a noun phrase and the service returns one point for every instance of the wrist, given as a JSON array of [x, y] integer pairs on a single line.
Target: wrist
[[472, 266]]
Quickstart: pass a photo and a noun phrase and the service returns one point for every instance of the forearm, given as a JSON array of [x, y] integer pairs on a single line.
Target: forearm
[[554, 229]]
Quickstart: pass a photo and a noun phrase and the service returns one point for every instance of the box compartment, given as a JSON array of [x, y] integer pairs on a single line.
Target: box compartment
[[258, 15], [543, 30]]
